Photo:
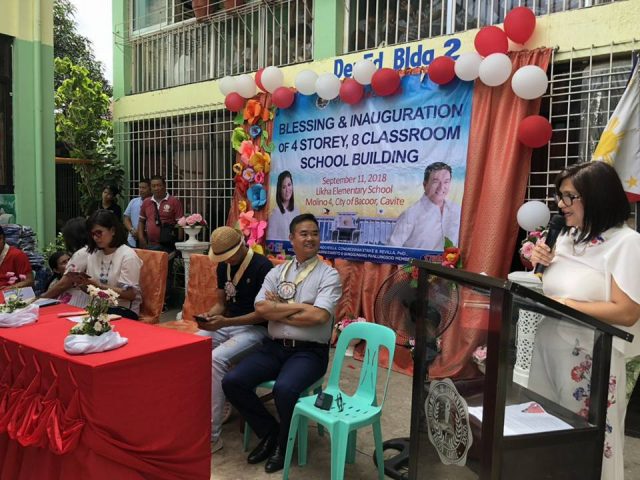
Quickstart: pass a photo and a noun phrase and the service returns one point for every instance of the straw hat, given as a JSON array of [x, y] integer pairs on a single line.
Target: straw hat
[[225, 242]]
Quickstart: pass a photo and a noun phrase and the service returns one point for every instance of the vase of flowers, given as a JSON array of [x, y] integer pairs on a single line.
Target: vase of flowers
[[192, 225], [95, 332], [17, 312], [340, 326]]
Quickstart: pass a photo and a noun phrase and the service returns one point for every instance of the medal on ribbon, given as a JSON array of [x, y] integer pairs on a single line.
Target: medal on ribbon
[[286, 290], [230, 286], [230, 290]]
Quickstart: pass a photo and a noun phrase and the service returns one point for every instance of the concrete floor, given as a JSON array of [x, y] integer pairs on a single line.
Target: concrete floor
[[230, 463]]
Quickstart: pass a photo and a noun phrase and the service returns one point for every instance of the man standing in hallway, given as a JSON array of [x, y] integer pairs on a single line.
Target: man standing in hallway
[[159, 215], [132, 212], [298, 298]]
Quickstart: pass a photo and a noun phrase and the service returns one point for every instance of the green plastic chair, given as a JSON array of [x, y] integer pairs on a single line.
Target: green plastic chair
[[268, 385], [358, 410]]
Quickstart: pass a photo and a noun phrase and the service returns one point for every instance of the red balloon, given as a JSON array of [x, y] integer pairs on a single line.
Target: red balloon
[[351, 91], [519, 24], [258, 80], [442, 70], [283, 97], [534, 131], [491, 40], [234, 102], [385, 82]]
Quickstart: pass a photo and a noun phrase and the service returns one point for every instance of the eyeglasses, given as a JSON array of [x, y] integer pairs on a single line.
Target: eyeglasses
[[567, 198]]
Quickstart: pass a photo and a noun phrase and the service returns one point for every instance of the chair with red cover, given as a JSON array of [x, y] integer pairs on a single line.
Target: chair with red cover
[[153, 283]]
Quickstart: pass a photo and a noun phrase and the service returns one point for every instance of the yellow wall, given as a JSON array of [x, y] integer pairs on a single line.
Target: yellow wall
[[16, 20], [579, 29]]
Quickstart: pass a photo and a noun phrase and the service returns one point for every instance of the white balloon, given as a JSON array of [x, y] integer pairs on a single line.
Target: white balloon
[[227, 85], [529, 82], [272, 79], [363, 70], [328, 86], [495, 69], [467, 66], [532, 215], [246, 86], [306, 82]]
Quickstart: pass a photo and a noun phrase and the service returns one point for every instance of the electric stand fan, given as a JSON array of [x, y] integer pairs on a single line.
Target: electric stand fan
[[395, 306]]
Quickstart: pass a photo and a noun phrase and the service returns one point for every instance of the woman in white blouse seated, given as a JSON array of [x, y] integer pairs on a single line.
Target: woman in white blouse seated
[[108, 263], [285, 209]]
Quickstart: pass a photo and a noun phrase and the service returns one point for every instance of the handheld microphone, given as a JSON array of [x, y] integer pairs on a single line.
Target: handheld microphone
[[556, 224]]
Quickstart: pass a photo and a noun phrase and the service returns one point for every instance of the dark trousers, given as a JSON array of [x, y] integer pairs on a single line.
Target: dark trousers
[[293, 369]]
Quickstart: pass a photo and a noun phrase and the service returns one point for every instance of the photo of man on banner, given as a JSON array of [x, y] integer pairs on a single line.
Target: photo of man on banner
[[426, 223]]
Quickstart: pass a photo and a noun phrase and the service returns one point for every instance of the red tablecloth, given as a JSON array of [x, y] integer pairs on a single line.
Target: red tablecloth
[[139, 412]]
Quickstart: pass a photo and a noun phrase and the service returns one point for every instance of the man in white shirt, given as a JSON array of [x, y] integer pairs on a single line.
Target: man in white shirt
[[298, 298], [426, 223], [132, 213]]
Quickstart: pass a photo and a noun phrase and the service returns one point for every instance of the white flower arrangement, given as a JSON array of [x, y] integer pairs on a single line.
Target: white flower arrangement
[[97, 321]]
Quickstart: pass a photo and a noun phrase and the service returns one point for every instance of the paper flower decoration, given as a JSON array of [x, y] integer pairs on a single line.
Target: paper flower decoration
[[248, 174], [238, 136], [261, 162], [252, 228], [242, 206], [257, 195], [255, 131], [259, 177], [247, 150], [257, 248], [253, 112], [241, 184], [237, 168]]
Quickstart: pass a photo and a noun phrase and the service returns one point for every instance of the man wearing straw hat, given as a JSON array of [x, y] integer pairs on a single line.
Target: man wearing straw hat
[[299, 299], [232, 323]]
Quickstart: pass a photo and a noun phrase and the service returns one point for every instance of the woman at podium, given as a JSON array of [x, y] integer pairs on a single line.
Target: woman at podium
[[593, 269]]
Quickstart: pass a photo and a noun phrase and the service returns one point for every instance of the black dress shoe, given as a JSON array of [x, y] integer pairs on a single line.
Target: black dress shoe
[[275, 462], [264, 449]]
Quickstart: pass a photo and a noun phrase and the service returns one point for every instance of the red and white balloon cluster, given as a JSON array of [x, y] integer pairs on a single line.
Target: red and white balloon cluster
[[491, 64], [237, 90]]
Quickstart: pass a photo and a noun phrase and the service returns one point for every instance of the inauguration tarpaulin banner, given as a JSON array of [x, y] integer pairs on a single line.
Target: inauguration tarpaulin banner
[[385, 177]]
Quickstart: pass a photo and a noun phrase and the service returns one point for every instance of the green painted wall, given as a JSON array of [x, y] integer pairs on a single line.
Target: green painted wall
[[34, 138], [328, 41], [121, 50]]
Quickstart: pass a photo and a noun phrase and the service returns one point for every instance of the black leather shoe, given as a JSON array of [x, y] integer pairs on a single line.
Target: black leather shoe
[[275, 462], [264, 449]]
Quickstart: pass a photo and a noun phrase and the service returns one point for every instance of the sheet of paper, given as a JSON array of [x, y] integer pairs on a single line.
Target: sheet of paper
[[526, 418], [24, 293], [79, 318]]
